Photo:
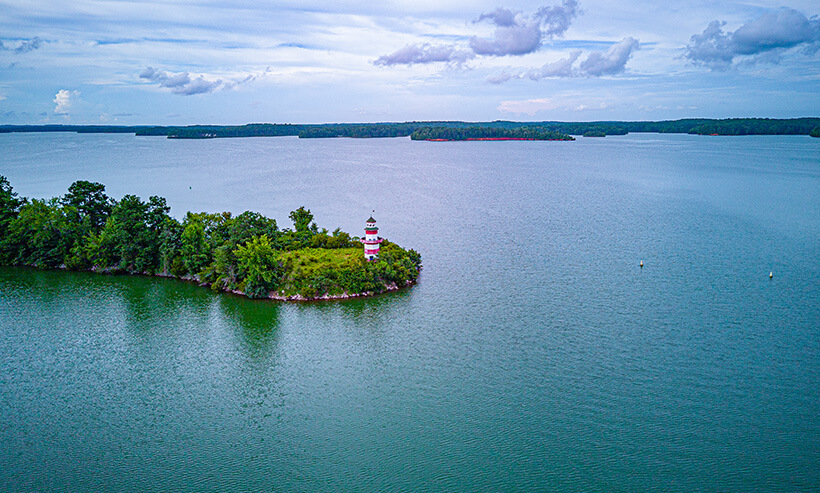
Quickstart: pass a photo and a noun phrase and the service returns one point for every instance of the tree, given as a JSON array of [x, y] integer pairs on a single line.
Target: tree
[[259, 265], [9, 207], [245, 226], [90, 202], [130, 239], [196, 255], [40, 235], [170, 257], [302, 221]]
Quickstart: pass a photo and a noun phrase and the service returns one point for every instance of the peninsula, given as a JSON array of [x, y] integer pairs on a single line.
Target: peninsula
[[245, 254]]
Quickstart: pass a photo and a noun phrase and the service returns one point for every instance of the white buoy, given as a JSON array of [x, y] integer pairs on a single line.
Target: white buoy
[[771, 274]]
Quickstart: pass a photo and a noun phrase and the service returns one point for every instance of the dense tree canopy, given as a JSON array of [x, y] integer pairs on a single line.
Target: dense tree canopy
[[476, 133], [9, 205]]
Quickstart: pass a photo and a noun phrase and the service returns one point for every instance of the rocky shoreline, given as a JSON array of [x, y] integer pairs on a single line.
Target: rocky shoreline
[[281, 296], [273, 295]]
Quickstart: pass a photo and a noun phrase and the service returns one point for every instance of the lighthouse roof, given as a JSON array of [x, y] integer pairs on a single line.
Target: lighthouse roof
[[371, 220]]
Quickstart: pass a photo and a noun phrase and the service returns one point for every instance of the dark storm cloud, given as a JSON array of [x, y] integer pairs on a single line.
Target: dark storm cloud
[[764, 39]]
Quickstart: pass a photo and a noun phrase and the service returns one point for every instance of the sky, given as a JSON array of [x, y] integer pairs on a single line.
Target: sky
[[232, 62]]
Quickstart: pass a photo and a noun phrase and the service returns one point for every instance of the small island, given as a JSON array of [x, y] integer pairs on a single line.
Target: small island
[[246, 254], [439, 134]]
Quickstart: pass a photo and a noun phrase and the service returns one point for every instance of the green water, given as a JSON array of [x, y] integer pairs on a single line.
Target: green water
[[534, 354]]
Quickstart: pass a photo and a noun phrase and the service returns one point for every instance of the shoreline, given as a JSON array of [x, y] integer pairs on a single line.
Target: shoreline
[[478, 139], [272, 295]]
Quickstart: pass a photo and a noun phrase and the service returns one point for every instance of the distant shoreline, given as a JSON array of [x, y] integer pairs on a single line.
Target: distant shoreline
[[486, 139], [695, 126]]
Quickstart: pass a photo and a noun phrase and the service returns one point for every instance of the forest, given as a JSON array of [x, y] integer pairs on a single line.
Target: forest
[[248, 254], [480, 133]]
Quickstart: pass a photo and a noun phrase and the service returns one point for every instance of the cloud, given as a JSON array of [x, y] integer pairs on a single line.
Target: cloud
[[425, 53], [181, 83], [528, 106], [25, 47], [711, 48], [523, 36], [560, 68], [612, 62], [29, 45], [65, 100], [500, 16], [518, 34], [763, 40], [558, 18], [515, 34], [198, 86], [532, 106], [596, 64]]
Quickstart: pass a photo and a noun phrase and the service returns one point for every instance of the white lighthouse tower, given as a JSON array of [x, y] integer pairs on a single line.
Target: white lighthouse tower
[[371, 240]]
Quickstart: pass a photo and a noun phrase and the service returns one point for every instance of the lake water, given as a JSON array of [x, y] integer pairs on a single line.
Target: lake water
[[534, 354]]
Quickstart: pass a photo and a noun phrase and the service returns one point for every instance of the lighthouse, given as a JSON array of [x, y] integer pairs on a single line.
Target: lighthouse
[[371, 240]]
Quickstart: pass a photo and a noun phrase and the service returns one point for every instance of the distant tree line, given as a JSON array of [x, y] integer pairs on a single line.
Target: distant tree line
[[467, 133], [88, 129], [731, 126], [87, 230]]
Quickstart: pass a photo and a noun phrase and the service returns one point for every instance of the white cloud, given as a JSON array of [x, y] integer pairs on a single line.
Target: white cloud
[[584, 107], [597, 64], [528, 106], [762, 40], [613, 61], [425, 53], [567, 103], [65, 100]]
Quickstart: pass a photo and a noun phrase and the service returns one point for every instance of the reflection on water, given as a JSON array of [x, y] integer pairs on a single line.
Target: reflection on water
[[256, 323]]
